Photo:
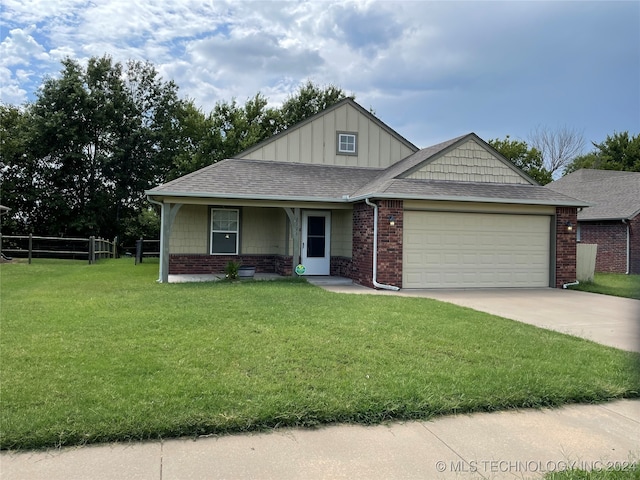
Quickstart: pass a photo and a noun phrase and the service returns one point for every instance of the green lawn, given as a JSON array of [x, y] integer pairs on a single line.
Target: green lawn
[[623, 472], [617, 284], [93, 353]]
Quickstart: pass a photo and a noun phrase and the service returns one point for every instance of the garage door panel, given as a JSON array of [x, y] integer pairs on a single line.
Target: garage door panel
[[463, 250]]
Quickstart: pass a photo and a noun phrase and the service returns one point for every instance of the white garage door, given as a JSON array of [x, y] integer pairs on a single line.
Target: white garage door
[[463, 250]]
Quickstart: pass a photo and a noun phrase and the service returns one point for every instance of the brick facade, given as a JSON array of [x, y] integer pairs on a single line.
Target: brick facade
[[362, 246], [611, 238], [566, 245], [389, 243], [634, 244], [209, 264]]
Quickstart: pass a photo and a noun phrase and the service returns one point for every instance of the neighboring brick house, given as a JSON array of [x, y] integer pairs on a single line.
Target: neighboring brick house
[[612, 221], [344, 194]]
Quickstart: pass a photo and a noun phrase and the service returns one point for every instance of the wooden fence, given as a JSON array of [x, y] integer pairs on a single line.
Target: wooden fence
[[34, 246]]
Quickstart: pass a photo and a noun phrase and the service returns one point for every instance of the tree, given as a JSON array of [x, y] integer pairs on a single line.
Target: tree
[[93, 141], [558, 147], [529, 160], [309, 100], [619, 151]]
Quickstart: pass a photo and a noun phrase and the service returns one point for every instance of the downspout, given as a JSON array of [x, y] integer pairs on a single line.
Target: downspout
[[375, 250], [565, 285], [161, 236], [625, 221]]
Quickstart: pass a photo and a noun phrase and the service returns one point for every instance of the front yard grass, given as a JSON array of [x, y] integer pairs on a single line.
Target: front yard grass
[[617, 284], [96, 353]]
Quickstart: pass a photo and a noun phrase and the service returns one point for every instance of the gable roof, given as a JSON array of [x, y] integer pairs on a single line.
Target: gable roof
[[345, 101], [286, 181], [612, 195], [405, 167]]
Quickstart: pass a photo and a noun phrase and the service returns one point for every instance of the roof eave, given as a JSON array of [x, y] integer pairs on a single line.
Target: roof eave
[[238, 196], [452, 198]]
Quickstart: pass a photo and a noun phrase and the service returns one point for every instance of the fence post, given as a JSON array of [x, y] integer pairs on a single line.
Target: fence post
[[30, 246], [115, 247], [92, 249], [139, 250]]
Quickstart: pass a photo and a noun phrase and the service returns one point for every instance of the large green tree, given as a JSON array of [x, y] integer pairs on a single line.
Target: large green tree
[[78, 160], [95, 138], [619, 151], [526, 158]]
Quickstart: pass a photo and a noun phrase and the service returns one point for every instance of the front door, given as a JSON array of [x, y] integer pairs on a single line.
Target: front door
[[316, 240]]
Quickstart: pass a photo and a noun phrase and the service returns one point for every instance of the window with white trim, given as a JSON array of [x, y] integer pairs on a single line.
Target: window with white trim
[[347, 143], [224, 231]]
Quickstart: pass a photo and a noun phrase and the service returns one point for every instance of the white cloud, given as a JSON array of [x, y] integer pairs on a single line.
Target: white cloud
[[434, 68], [19, 47]]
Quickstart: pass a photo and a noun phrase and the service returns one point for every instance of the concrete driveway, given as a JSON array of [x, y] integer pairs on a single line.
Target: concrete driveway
[[612, 321]]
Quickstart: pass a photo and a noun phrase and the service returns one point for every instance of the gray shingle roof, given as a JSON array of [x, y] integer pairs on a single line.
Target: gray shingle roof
[[241, 178], [470, 191], [258, 179], [612, 195]]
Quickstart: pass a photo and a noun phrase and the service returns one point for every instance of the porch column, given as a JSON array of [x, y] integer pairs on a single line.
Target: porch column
[[169, 212], [296, 224]]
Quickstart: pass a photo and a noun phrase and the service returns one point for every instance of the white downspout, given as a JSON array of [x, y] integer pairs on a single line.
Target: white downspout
[[161, 270], [624, 220], [565, 285], [375, 250]]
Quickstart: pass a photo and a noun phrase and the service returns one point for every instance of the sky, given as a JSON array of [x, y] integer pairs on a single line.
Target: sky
[[430, 70]]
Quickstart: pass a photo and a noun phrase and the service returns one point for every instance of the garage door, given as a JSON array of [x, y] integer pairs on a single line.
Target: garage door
[[463, 250]]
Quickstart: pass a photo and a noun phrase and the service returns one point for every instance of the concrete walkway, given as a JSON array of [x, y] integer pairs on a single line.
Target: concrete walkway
[[505, 445], [523, 444]]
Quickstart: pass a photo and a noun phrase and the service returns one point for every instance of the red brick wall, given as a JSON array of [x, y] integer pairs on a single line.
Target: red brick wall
[[341, 267], [611, 238], [565, 245], [634, 243], [389, 243], [209, 264], [362, 249]]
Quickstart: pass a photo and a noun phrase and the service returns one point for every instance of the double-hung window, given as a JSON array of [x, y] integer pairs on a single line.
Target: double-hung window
[[347, 143], [224, 231]]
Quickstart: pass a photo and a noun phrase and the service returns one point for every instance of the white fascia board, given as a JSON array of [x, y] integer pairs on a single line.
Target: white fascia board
[[451, 198]]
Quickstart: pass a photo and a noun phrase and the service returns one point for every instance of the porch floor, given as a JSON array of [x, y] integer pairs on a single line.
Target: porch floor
[[320, 280]]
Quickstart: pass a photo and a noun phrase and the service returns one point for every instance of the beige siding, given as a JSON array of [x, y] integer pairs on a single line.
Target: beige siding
[[263, 231], [470, 162], [315, 142], [190, 232], [341, 233]]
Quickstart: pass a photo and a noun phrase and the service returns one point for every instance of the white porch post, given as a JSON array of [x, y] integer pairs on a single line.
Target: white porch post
[[295, 219], [168, 215]]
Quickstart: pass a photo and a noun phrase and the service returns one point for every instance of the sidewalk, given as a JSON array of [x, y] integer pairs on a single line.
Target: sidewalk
[[522, 444]]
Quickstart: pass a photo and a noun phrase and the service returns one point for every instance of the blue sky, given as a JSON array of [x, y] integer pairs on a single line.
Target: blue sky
[[430, 70]]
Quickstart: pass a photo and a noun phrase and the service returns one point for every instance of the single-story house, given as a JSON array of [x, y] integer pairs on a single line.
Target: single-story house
[[343, 194], [612, 221]]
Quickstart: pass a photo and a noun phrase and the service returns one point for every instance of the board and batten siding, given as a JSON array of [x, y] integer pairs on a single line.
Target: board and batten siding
[[262, 231], [341, 233], [190, 231], [469, 162], [315, 142]]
